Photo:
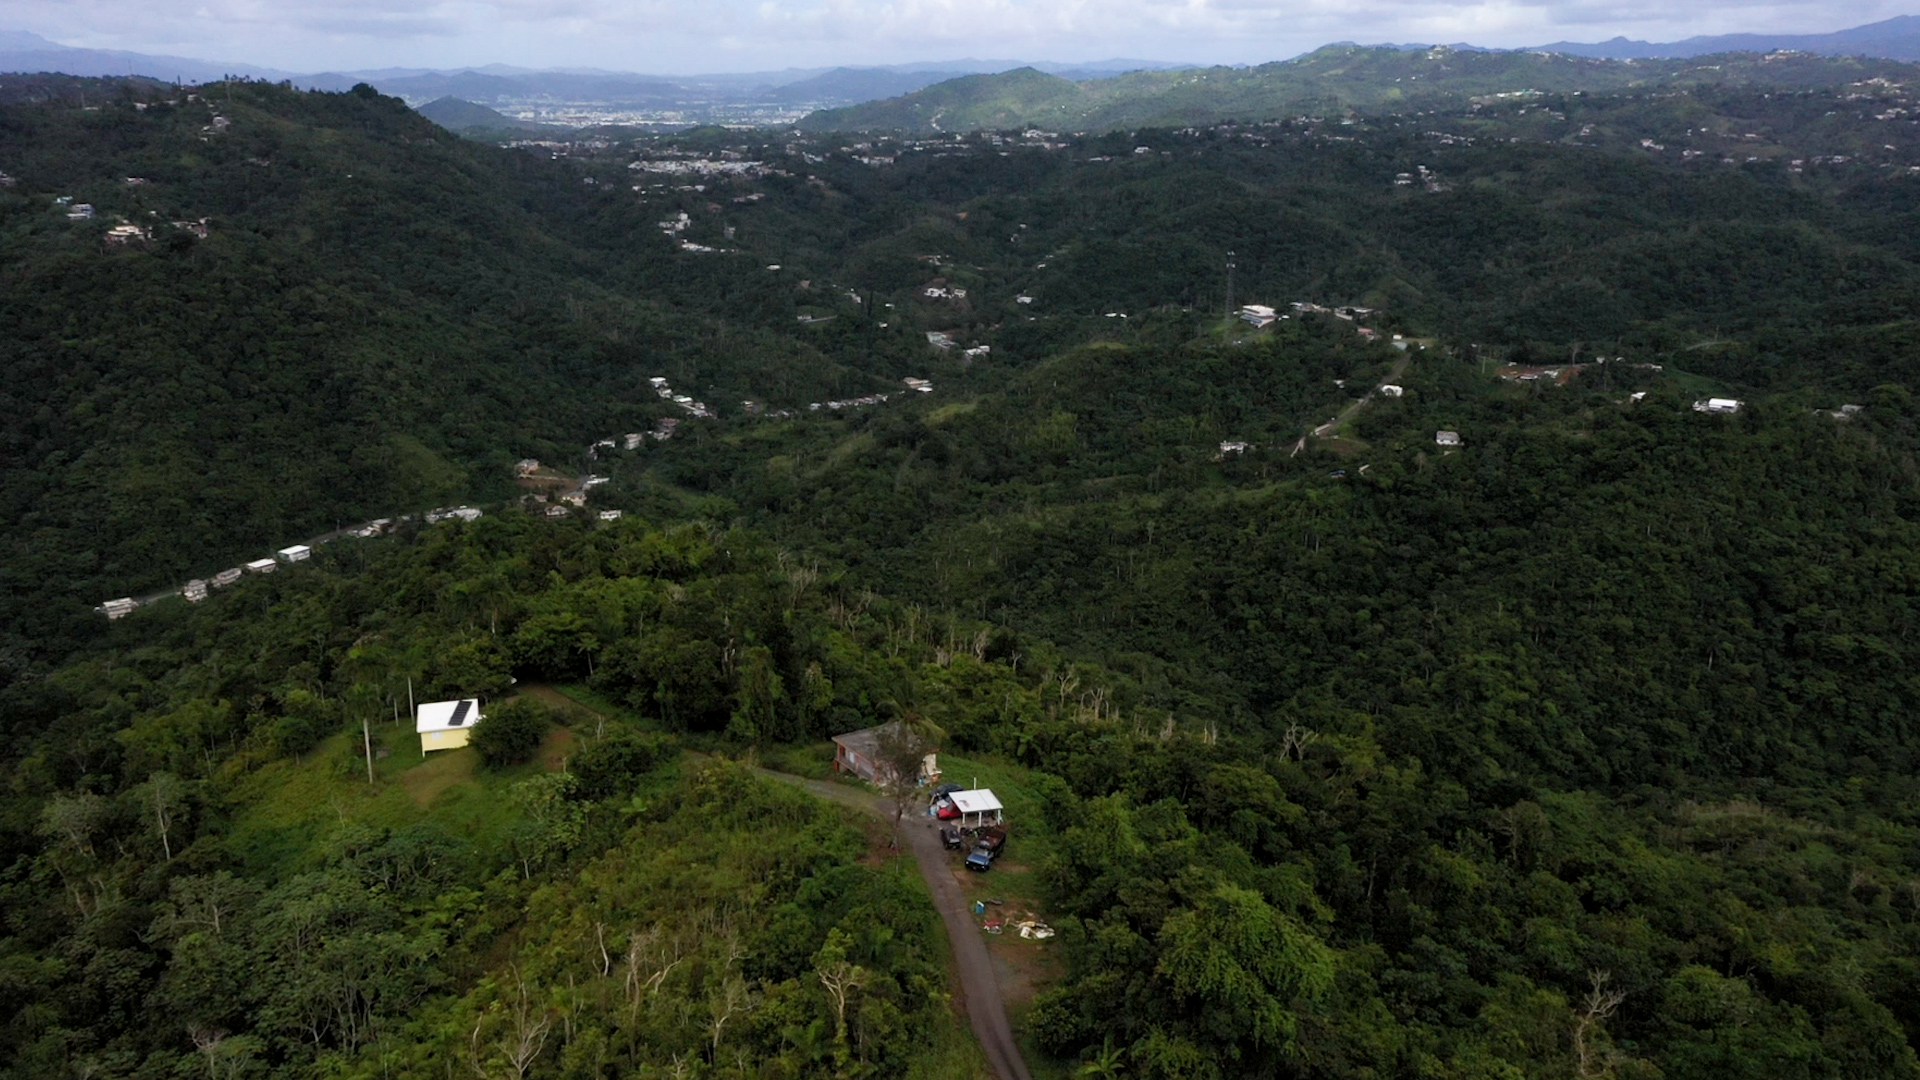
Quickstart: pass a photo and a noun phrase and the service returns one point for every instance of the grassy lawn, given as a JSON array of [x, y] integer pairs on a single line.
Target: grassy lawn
[[286, 806]]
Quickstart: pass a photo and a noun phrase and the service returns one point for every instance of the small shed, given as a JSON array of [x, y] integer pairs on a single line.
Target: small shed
[[977, 807], [296, 553], [446, 725]]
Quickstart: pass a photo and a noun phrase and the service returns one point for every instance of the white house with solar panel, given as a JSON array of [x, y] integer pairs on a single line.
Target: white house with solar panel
[[446, 725]]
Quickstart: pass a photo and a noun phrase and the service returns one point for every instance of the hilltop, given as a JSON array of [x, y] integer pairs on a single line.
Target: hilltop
[[456, 115], [1334, 79]]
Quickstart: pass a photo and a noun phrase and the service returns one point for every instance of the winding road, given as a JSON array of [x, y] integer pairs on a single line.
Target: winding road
[[979, 990]]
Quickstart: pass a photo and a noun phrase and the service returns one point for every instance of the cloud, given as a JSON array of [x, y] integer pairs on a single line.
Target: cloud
[[693, 35]]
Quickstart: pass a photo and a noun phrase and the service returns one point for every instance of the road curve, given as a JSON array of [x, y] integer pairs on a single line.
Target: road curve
[[979, 990]]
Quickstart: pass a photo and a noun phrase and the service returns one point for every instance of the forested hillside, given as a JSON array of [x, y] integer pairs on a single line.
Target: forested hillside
[[380, 316], [1425, 682], [1329, 80]]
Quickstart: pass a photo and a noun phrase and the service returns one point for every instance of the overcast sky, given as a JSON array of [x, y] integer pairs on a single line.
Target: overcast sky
[[684, 36]]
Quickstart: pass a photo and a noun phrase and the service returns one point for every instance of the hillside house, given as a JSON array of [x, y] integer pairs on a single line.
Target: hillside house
[[296, 553], [1446, 438], [557, 511], [1258, 315], [227, 577], [526, 467], [858, 752], [1390, 390], [634, 439], [121, 608], [610, 515], [262, 566], [1718, 405], [1233, 447], [80, 212], [126, 234], [446, 725], [574, 498], [194, 591], [923, 386]]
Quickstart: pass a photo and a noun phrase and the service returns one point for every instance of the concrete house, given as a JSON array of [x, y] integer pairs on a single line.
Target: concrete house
[[858, 752], [296, 553], [1446, 438], [262, 566], [1720, 405], [446, 725]]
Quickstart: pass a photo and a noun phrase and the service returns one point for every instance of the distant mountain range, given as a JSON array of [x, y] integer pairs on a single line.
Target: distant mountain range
[[783, 95], [1892, 39]]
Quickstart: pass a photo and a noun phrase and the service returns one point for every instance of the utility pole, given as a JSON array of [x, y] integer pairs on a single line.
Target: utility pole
[[1230, 286], [366, 740]]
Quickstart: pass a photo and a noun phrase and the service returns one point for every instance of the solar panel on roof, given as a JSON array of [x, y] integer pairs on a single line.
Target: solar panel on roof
[[459, 714]]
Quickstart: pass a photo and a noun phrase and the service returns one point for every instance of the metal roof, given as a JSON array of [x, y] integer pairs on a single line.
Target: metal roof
[[447, 715], [977, 801]]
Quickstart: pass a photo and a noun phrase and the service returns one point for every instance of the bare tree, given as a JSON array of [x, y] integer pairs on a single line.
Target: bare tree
[[525, 1035], [903, 745], [731, 1000], [840, 977], [1596, 1060], [163, 795]]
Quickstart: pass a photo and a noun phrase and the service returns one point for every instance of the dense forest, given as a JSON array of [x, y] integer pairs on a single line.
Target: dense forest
[[1576, 744]]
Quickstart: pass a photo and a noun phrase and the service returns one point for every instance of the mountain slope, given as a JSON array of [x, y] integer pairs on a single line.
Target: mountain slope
[[1334, 78], [381, 316], [1897, 38], [456, 115]]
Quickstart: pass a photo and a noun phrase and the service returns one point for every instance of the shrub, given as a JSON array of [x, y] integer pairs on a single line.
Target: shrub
[[511, 732], [615, 764]]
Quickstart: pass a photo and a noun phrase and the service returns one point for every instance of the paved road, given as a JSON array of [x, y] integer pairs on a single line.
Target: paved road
[[979, 991], [1333, 425]]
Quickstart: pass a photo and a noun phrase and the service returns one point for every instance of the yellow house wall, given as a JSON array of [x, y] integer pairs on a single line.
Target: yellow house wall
[[444, 740]]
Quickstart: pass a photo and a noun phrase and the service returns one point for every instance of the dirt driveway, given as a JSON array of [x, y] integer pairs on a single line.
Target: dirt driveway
[[979, 991]]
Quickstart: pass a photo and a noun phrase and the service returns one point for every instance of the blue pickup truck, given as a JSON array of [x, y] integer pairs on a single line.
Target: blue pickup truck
[[986, 848]]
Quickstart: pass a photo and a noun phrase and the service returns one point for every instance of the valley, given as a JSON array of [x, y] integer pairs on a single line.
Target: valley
[[1430, 578]]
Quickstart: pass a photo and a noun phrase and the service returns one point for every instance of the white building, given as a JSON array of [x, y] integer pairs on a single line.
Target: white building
[[119, 609], [923, 386], [977, 807], [1446, 438], [526, 467], [446, 725], [1258, 315], [227, 577], [1234, 447], [194, 591], [610, 515], [1390, 390], [296, 553], [1717, 405], [633, 439], [261, 566]]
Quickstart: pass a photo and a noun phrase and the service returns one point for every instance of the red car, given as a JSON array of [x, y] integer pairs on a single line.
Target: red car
[[945, 810]]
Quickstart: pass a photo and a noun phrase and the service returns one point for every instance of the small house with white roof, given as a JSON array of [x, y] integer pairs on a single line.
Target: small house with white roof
[[446, 725]]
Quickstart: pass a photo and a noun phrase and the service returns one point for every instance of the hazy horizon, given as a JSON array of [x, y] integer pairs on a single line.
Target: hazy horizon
[[723, 36]]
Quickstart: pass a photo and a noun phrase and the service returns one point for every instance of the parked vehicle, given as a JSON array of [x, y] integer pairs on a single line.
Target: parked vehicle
[[950, 836], [986, 848], [945, 810]]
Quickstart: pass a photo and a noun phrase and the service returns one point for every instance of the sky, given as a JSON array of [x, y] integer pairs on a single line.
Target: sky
[[687, 36]]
